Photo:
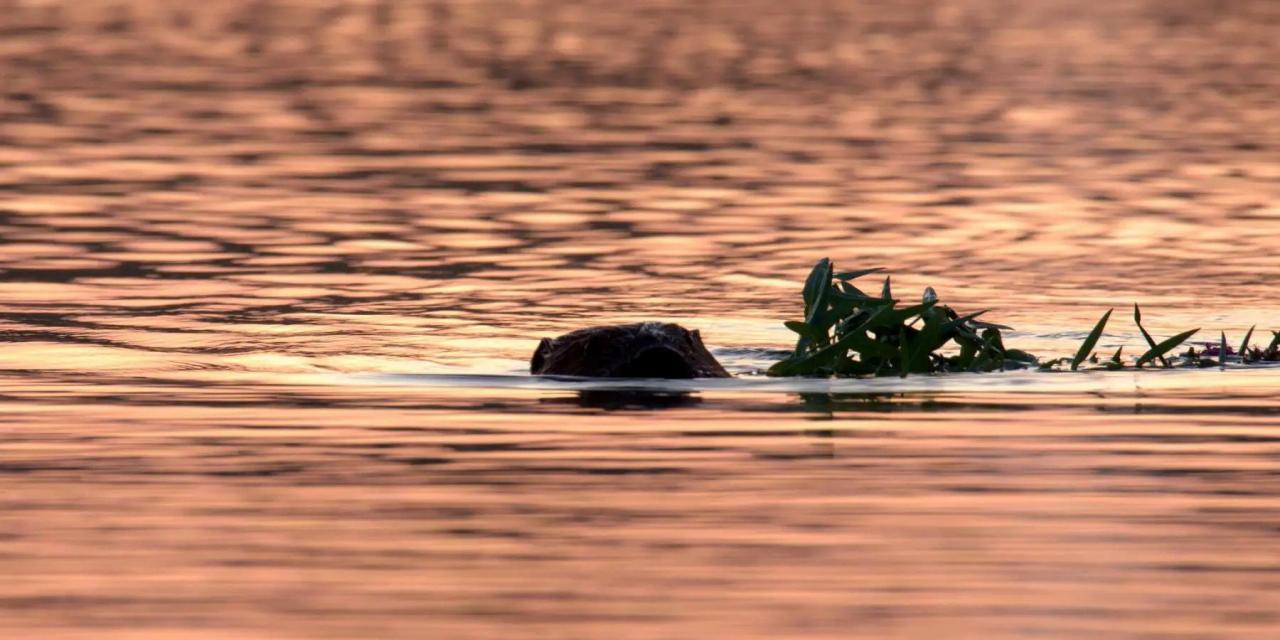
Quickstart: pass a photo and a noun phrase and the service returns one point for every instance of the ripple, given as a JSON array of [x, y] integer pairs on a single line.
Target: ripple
[[272, 271]]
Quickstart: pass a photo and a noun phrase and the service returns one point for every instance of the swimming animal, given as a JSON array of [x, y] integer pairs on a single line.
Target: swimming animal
[[640, 350]]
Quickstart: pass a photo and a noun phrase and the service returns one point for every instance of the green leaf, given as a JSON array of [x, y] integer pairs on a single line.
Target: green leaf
[[991, 353], [805, 330], [854, 275], [1244, 346], [1164, 347], [1151, 342], [968, 352], [1087, 347], [925, 343], [823, 323], [844, 331], [850, 290], [816, 313], [994, 340], [856, 296], [819, 281], [781, 368], [855, 339], [953, 325], [990, 325], [849, 321], [893, 317]]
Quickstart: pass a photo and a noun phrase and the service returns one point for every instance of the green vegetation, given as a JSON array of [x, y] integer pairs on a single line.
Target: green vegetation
[[848, 332], [1086, 347]]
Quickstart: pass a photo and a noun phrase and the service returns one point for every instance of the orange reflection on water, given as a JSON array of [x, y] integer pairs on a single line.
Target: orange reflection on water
[[221, 222]]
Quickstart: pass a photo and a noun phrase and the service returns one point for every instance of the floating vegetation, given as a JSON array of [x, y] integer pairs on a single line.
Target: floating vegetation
[[848, 332], [1086, 347]]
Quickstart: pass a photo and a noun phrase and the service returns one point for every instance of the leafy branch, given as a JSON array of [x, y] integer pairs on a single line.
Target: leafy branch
[[848, 332]]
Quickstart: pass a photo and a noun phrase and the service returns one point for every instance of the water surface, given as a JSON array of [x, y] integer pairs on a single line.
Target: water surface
[[270, 273]]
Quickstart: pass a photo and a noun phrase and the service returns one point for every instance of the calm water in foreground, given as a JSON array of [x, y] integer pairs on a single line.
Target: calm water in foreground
[[270, 273]]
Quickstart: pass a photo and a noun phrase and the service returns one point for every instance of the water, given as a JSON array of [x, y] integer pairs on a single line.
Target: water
[[272, 272]]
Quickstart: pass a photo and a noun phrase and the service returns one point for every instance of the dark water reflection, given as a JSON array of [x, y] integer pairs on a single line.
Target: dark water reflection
[[618, 400], [269, 272]]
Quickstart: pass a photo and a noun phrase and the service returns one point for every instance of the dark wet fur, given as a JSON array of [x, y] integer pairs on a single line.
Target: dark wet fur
[[641, 350]]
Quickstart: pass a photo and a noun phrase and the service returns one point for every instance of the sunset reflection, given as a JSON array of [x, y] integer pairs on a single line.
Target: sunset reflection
[[272, 272]]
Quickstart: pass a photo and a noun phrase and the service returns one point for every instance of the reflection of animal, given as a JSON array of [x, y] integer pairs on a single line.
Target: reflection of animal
[[642, 350]]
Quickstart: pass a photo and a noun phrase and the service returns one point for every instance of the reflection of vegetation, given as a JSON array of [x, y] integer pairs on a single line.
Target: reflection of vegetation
[[849, 401], [847, 332]]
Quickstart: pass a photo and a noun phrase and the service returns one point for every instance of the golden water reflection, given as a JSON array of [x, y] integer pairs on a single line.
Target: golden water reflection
[[232, 234]]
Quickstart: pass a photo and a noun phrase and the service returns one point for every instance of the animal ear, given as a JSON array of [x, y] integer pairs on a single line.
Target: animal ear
[[540, 356]]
